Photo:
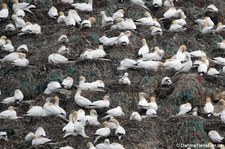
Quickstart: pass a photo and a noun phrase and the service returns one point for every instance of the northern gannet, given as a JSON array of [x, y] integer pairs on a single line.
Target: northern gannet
[[208, 108], [153, 103], [16, 98], [35, 111], [20, 13], [53, 13], [66, 147], [80, 100], [151, 112], [90, 145], [139, 3], [114, 112], [120, 131], [104, 145], [56, 58], [24, 6], [155, 30], [21, 61], [184, 108], [52, 86], [147, 20], [63, 50], [166, 81], [97, 85], [10, 113], [206, 28], [73, 13], [172, 12], [157, 55], [66, 1], [83, 6], [62, 111], [3, 40], [124, 39], [157, 3], [88, 23], [186, 66], [211, 8], [144, 49], [154, 65], [181, 55], [118, 14], [125, 79], [78, 126], [168, 3], [8, 46], [30, 28], [101, 103], [221, 44], [40, 132], [142, 104], [222, 116], [203, 67], [61, 18], [124, 24], [135, 116], [176, 27], [127, 63], [63, 39], [212, 72], [91, 119], [215, 137], [3, 136], [102, 132], [172, 63], [198, 53], [70, 21], [108, 41], [51, 109], [67, 83], [22, 48], [19, 22], [40, 140], [220, 27], [94, 54], [106, 20], [4, 12], [219, 60], [115, 145], [68, 129]]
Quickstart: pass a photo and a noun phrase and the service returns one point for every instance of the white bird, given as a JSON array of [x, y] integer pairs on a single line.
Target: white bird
[[166, 81], [53, 13], [124, 24], [222, 116], [69, 20], [153, 65], [219, 60], [39, 141], [208, 108], [102, 132], [73, 13], [56, 58], [220, 27], [68, 129], [172, 63], [115, 145], [135, 116], [125, 79], [124, 38], [203, 67], [66, 1], [10, 113], [51, 109], [139, 3], [168, 3], [63, 39], [24, 6], [91, 119], [215, 137], [84, 6], [143, 103], [80, 100], [62, 111], [157, 55], [118, 14], [153, 103], [11, 57], [206, 28], [3, 136], [66, 147], [144, 49], [198, 53], [16, 98], [90, 146], [176, 27], [97, 85], [212, 72], [19, 22], [106, 20], [63, 50], [120, 131], [221, 44], [20, 13], [3, 40], [4, 12], [151, 112], [104, 145], [156, 31], [52, 86], [61, 18], [147, 20], [88, 23], [127, 63], [101, 103], [28, 137], [30, 28], [186, 66], [9, 27], [94, 54], [211, 8], [67, 83], [181, 55], [114, 112], [21, 61], [22, 48], [8, 46], [40, 132], [184, 108], [157, 3], [172, 12], [35, 111]]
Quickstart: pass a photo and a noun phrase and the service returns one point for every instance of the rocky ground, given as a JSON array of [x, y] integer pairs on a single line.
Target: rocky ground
[[159, 132]]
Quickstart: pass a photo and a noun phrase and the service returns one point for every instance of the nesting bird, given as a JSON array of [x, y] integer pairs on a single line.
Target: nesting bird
[[208, 108], [144, 49], [102, 132], [88, 23], [10, 113], [53, 13], [184, 108], [84, 6], [125, 79], [4, 12]]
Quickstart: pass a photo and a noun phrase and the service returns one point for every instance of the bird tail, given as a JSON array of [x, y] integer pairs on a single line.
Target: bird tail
[[106, 117], [96, 139]]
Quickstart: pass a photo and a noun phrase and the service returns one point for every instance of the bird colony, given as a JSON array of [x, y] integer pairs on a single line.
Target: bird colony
[[87, 109]]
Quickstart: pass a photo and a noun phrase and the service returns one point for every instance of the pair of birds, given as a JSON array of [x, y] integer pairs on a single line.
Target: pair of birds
[[37, 138], [16, 98], [104, 145]]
